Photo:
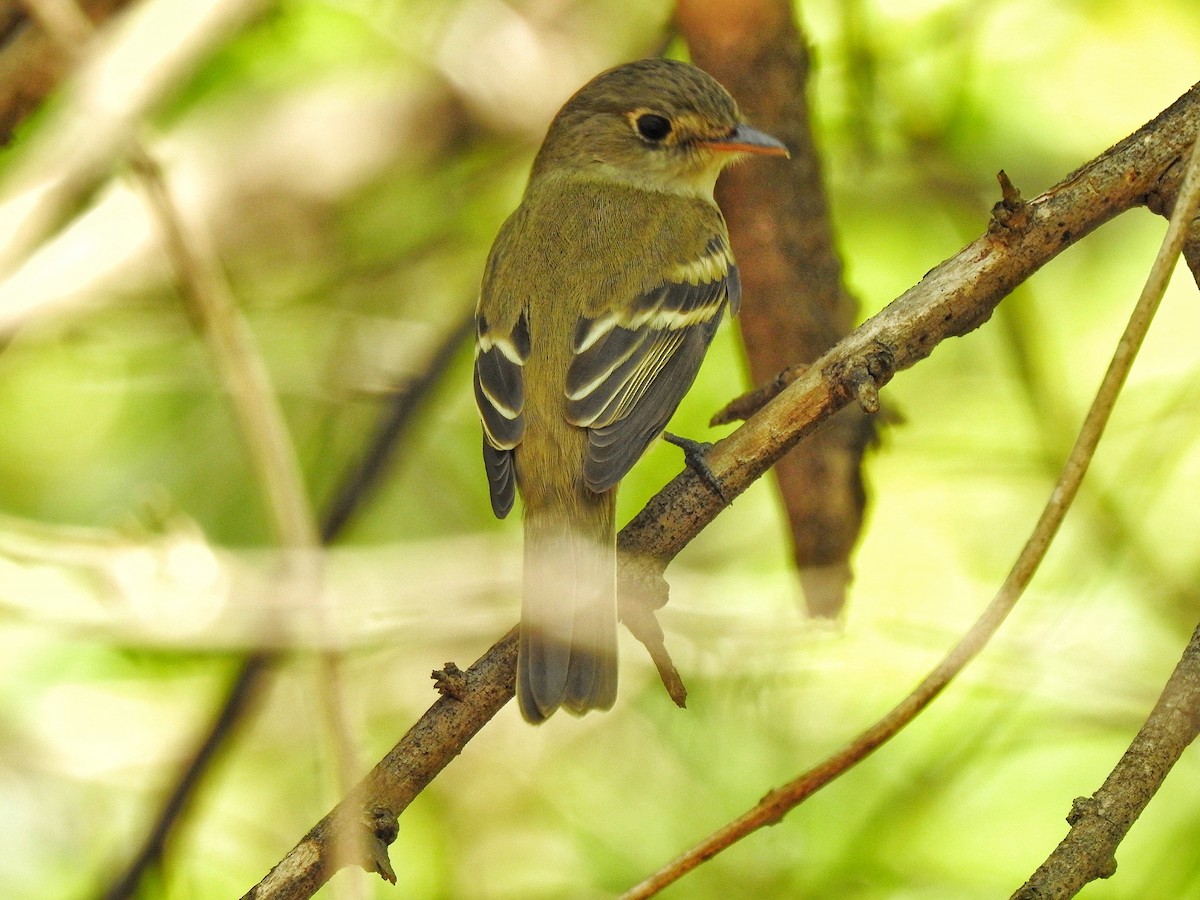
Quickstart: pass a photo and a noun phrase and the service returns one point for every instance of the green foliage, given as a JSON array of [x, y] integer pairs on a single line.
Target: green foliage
[[352, 178]]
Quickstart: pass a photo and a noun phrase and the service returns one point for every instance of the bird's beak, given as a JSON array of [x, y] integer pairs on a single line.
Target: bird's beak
[[745, 139]]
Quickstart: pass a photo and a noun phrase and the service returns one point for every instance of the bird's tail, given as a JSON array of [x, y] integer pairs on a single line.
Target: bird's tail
[[568, 649]]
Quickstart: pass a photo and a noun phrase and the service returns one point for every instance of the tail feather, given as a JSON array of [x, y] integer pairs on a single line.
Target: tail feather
[[568, 648]]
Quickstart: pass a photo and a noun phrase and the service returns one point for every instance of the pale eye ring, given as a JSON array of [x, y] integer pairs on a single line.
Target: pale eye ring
[[652, 126]]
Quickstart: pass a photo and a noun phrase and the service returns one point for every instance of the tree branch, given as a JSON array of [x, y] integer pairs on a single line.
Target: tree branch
[[1100, 822], [469, 701], [33, 60], [953, 299], [77, 145], [242, 692], [365, 474], [777, 803]]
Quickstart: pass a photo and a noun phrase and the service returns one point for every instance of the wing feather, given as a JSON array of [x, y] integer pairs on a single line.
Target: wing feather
[[613, 449], [500, 396], [630, 370]]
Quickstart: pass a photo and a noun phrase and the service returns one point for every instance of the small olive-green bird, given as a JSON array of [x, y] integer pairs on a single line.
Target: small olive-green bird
[[600, 296]]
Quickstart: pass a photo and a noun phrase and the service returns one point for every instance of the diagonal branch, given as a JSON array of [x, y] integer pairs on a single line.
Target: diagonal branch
[[75, 149], [1100, 822], [953, 299], [33, 60], [777, 803], [365, 474]]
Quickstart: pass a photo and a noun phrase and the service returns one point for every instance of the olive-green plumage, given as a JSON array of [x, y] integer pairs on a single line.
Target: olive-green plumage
[[601, 294]]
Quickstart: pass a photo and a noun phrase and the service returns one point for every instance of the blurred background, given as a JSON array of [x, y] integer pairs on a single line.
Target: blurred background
[[351, 161]]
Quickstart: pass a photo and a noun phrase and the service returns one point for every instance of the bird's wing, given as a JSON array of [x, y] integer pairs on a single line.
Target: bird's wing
[[500, 356], [632, 367]]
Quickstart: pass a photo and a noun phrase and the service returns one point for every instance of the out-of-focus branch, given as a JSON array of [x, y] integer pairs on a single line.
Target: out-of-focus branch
[[797, 306], [241, 693], [244, 377], [954, 298], [157, 44], [239, 366], [371, 466], [241, 370], [33, 61]]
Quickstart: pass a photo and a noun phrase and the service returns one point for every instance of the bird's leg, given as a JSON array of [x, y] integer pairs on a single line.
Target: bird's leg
[[693, 455]]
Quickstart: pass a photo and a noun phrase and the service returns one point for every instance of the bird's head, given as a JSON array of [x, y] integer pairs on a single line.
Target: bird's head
[[658, 124]]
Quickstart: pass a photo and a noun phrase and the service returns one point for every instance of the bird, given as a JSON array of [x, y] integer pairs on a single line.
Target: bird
[[600, 296]]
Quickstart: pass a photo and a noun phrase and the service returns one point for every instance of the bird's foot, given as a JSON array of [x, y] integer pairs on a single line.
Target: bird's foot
[[693, 455]]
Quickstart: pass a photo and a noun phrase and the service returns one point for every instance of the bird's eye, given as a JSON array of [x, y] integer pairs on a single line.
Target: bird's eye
[[653, 127]]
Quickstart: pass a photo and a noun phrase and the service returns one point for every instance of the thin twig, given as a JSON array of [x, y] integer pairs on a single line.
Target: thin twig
[[780, 801], [243, 374], [235, 357], [745, 405], [1098, 825]]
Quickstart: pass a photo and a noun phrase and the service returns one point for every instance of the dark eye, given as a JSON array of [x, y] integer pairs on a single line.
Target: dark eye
[[653, 127]]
